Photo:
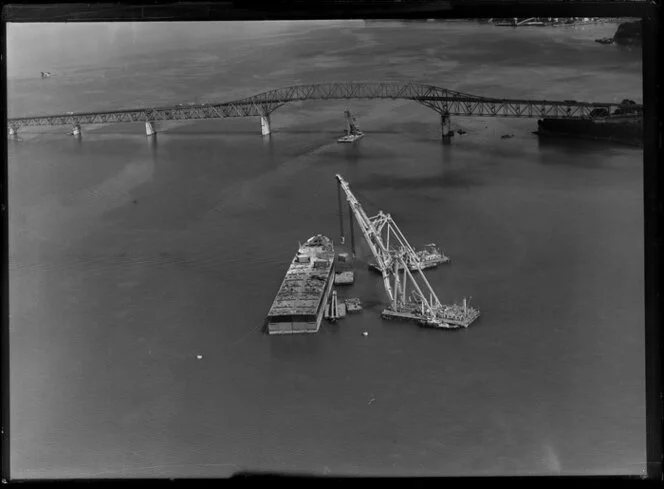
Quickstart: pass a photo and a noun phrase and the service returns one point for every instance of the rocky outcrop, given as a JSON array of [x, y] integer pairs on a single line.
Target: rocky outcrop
[[629, 33]]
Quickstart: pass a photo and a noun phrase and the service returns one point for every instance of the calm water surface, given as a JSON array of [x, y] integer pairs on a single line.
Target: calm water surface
[[130, 257]]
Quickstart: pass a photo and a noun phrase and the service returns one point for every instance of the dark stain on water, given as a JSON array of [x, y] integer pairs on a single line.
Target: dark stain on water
[[449, 179]]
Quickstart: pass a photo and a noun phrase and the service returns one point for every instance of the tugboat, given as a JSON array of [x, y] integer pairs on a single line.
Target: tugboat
[[352, 131], [353, 304]]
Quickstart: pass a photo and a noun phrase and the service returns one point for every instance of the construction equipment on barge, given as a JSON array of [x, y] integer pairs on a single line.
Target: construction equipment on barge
[[343, 270], [429, 257], [352, 131], [395, 258]]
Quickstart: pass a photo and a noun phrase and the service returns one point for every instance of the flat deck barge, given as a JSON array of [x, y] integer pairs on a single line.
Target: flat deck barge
[[448, 317], [300, 303]]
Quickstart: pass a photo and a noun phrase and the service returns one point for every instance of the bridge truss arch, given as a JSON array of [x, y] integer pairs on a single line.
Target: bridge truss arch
[[442, 100]]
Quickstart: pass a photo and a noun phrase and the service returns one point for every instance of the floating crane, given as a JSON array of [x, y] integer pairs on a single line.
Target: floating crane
[[352, 131], [395, 258]]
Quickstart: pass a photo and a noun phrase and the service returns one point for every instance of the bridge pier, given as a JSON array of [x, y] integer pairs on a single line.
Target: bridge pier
[[150, 128], [446, 128], [265, 125], [76, 131]]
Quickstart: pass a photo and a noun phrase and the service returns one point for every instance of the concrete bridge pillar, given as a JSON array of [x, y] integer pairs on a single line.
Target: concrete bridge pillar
[[150, 128], [76, 131], [265, 125], [446, 128]]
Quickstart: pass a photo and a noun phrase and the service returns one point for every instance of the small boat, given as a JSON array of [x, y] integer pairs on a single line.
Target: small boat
[[353, 304], [346, 277], [352, 131], [334, 309], [429, 257]]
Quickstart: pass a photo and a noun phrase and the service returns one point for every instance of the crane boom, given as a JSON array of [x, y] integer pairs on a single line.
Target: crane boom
[[390, 259], [397, 255], [372, 237]]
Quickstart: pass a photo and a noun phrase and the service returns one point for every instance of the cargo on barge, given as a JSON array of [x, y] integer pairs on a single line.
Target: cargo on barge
[[300, 303]]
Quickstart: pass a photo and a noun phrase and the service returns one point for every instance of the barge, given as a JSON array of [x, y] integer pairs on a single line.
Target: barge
[[429, 257], [454, 316], [304, 293]]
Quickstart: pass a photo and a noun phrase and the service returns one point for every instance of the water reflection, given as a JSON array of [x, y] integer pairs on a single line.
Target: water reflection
[[268, 145], [564, 151], [152, 144], [352, 153], [446, 154], [77, 140]]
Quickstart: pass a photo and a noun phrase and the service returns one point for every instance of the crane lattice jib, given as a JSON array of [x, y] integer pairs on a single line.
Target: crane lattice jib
[[382, 221], [389, 259], [378, 248], [413, 259]]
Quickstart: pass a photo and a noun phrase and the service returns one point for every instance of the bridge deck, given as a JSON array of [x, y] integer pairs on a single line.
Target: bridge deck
[[439, 99]]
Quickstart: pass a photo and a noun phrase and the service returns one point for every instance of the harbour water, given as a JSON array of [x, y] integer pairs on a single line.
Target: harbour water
[[131, 256]]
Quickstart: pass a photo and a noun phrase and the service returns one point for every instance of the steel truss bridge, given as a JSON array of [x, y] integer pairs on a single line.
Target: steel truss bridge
[[444, 101]]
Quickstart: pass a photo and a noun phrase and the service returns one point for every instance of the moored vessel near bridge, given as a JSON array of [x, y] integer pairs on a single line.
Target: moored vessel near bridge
[[624, 125], [352, 131], [300, 303]]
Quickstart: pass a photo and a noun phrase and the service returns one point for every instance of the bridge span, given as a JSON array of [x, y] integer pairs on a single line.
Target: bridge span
[[445, 102]]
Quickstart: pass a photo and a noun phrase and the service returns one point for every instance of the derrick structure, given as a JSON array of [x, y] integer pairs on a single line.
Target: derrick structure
[[395, 258]]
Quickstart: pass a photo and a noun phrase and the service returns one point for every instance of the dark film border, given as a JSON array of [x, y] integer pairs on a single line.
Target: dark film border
[[246, 10]]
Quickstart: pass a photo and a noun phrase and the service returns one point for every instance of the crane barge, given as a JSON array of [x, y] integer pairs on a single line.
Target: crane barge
[[395, 259]]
